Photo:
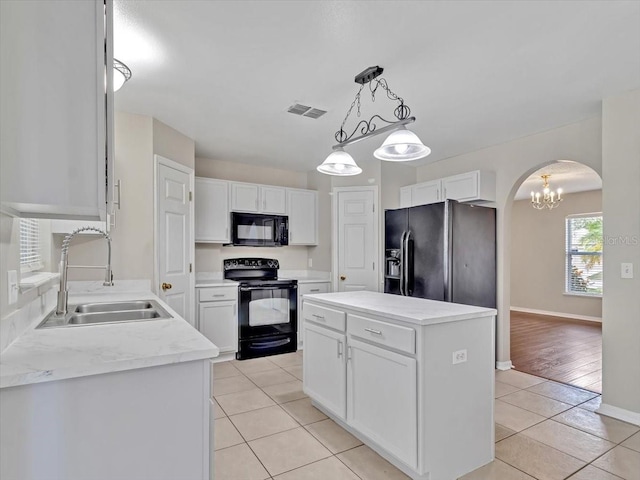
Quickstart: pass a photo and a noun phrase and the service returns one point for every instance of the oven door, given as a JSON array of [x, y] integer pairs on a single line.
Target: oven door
[[267, 310]]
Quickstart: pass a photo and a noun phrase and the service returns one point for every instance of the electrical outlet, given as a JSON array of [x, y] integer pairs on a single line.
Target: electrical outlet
[[626, 270], [310, 262], [12, 285], [459, 356]]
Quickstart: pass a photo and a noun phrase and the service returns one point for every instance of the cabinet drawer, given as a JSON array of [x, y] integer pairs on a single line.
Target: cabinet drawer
[[324, 316], [215, 294], [389, 335], [305, 288]]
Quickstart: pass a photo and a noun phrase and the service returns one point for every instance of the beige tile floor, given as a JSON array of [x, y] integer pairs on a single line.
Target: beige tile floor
[[266, 428]]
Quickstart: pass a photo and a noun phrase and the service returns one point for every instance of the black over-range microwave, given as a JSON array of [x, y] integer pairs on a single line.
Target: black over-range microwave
[[255, 230]]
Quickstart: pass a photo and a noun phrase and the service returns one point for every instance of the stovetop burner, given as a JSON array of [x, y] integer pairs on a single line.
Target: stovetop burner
[[250, 268]]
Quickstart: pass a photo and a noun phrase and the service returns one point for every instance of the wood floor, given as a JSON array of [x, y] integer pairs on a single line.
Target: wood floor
[[560, 349]]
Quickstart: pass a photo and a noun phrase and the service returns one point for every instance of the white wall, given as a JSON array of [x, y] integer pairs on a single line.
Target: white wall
[[538, 256], [513, 162], [621, 302]]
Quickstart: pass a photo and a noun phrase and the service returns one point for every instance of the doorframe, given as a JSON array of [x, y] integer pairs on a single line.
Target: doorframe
[[157, 161], [334, 231]]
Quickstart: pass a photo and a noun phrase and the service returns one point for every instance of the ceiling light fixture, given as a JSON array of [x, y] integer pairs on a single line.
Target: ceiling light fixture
[[401, 146], [121, 74], [549, 199]]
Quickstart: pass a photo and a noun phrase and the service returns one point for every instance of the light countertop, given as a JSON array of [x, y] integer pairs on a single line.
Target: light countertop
[[42, 355], [406, 309]]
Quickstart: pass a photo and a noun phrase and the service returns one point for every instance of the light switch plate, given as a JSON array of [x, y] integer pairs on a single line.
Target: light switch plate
[[626, 270], [12, 285]]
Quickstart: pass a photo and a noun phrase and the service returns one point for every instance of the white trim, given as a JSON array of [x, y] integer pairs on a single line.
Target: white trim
[[583, 295], [584, 215], [334, 231], [160, 160], [504, 365], [619, 413], [557, 314]]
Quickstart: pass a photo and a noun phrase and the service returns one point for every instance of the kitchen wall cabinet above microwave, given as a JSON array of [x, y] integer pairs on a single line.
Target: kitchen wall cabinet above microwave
[[475, 186], [249, 197], [56, 131], [216, 199]]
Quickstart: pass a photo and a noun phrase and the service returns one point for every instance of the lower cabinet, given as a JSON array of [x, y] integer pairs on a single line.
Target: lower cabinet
[[304, 289], [324, 368], [382, 398], [218, 317]]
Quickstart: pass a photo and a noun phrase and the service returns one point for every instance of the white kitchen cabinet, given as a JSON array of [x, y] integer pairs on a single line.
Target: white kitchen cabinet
[[145, 423], [253, 198], [382, 398], [211, 210], [303, 216], [405, 197], [324, 367], [304, 289], [273, 200], [425, 193], [470, 186], [56, 134], [245, 197], [218, 317]]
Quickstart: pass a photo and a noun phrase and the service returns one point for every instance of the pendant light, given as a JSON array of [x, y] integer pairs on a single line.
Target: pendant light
[[339, 163], [121, 74], [401, 145]]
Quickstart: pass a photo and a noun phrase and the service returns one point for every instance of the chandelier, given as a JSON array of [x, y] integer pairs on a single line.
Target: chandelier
[[401, 145], [121, 74], [549, 199]]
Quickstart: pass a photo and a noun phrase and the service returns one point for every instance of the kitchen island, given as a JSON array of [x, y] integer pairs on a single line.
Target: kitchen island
[[124, 400], [412, 378]]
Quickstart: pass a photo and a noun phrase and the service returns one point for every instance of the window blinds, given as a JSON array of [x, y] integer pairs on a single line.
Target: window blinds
[[30, 257]]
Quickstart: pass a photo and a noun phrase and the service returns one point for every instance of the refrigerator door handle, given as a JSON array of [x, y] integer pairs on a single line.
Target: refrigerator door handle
[[407, 263], [402, 263]]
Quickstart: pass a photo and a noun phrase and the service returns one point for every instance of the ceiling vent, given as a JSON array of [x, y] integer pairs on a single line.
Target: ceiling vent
[[305, 111]]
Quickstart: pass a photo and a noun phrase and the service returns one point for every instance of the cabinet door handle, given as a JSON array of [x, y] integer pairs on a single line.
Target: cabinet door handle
[[219, 295], [371, 330], [349, 353], [339, 348], [264, 204], [314, 290], [319, 317]]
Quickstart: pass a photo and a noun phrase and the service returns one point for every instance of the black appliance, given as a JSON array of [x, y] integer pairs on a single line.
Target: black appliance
[[268, 307], [443, 251], [256, 230]]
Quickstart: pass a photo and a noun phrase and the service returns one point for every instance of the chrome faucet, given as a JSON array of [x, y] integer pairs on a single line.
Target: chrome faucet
[[63, 294]]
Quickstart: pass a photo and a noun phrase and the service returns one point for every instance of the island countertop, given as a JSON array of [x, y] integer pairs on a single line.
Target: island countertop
[[418, 311], [42, 355]]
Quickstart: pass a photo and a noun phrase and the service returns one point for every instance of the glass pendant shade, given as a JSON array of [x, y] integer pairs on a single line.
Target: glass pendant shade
[[339, 163], [118, 80], [402, 146]]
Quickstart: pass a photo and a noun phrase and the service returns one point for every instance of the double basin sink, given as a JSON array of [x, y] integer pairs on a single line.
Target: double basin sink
[[105, 313]]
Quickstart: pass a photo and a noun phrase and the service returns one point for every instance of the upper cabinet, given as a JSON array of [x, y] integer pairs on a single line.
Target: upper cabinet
[[249, 197], [303, 216], [211, 210], [56, 134], [475, 186]]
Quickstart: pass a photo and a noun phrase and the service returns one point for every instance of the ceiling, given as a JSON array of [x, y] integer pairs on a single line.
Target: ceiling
[[474, 73], [571, 176]]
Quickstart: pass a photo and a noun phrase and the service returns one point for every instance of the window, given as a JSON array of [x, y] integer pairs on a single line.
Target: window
[[30, 250], [584, 254]]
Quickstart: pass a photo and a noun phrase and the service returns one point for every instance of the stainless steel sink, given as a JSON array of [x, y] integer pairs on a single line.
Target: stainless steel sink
[[105, 313]]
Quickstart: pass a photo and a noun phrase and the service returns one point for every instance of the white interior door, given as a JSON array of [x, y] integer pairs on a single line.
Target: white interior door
[[174, 239], [357, 239]]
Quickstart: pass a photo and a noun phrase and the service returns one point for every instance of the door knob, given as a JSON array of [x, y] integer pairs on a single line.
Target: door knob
[[166, 286], [343, 277]]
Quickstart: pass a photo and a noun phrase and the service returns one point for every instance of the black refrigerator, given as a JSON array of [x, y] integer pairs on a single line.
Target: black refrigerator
[[443, 251]]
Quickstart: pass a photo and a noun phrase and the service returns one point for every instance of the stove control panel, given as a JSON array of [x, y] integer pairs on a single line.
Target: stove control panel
[[249, 264]]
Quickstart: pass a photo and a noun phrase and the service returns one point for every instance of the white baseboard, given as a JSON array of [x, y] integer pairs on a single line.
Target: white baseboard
[[504, 365], [557, 314], [619, 413]]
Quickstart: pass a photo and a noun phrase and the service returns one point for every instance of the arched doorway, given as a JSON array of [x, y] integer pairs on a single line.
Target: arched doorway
[[556, 275]]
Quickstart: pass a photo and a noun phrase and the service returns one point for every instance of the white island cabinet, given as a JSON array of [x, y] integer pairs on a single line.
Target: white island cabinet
[[412, 378]]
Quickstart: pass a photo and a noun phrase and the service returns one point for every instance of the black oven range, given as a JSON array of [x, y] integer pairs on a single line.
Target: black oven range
[[267, 313]]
